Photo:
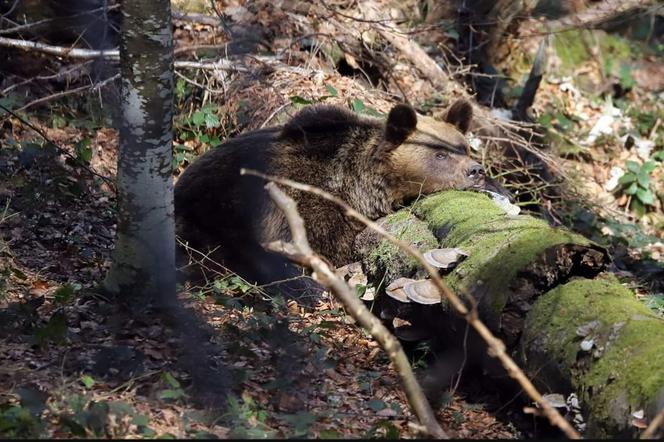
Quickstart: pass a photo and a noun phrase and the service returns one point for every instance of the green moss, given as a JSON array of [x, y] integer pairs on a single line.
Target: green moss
[[499, 246], [628, 375], [615, 46], [571, 49], [386, 257]]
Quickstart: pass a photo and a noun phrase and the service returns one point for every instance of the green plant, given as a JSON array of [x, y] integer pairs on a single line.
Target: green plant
[[175, 392], [636, 183], [182, 154], [84, 151], [247, 419], [17, 421], [195, 127], [299, 101], [655, 302], [80, 415], [55, 330], [358, 106], [65, 293]]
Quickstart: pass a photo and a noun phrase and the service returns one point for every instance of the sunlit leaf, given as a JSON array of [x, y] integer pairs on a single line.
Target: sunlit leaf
[[633, 166], [646, 196]]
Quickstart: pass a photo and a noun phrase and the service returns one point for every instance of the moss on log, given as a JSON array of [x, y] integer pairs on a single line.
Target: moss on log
[[511, 259], [609, 347], [538, 289]]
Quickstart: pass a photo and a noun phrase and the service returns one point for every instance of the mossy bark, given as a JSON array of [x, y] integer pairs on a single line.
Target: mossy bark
[[535, 286], [620, 369], [511, 259]]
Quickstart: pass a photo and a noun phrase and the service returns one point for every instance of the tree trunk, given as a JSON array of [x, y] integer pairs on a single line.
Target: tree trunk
[[144, 256], [539, 288]]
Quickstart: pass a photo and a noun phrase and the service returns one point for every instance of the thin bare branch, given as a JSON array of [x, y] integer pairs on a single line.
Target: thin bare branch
[[408, 47], [111, 54], [197, 18], [597, 14], [649, 433], [25, 26], [496, 346], [61, 51], [327, 276], [61, 94]]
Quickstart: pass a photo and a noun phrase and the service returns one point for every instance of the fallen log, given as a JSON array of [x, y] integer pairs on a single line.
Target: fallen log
[[537, 287], [594, 336]]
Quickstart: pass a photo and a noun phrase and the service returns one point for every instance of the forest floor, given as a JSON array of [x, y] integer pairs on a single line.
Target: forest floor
[[74, 364], [59, 338]]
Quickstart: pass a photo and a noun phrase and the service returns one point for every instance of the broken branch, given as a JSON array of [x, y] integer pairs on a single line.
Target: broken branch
[[496, 347], [357, 310]]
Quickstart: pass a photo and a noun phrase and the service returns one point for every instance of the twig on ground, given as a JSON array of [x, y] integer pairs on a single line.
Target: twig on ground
[[300, 251], [64, 93], [45, 77], [202, 86], [496, 346]]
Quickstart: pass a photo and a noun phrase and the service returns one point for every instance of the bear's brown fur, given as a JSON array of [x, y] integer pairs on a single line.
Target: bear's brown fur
[[374, 165]]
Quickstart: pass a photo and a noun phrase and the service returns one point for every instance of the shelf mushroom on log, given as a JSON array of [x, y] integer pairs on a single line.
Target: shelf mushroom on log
[[543, 290]]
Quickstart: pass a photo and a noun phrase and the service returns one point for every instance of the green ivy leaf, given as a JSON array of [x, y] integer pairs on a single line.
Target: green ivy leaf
[[648, 166], [564, 122], [646, 196], [357, 105], [198, 118], [87, 381], [644, 178], [633, 166], [331, 90], [215, 141], [170, 380], [627, 178], [141, 420], [296, 99], [171, 394], [211, 120], [83, 150], [631, 190]]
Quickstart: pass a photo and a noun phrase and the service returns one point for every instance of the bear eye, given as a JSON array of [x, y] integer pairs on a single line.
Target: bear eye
[[442, 155]]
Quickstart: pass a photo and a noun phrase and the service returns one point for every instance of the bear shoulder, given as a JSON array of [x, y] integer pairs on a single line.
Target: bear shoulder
[[324, 119]]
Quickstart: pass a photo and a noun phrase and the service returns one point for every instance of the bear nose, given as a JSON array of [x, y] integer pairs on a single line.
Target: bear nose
[[475, 171]]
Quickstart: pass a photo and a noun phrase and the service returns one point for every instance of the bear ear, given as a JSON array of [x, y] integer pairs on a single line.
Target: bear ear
[[401, 122], [460, 114]]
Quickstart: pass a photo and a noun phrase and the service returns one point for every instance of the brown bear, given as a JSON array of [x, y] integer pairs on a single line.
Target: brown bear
[[375, 165]]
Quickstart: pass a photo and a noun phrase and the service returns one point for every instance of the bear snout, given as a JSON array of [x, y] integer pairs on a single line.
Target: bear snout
[[475, 172]]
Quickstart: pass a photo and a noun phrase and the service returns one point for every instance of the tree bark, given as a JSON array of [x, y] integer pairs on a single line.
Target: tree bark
[[144, 257], [538, 289]]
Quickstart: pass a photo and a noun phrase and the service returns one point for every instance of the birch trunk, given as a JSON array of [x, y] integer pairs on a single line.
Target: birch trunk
[[144, 257]]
